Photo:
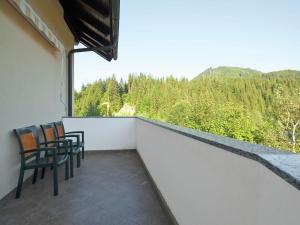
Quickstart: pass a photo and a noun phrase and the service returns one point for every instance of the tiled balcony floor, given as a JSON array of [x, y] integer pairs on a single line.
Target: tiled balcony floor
[[110, 188]]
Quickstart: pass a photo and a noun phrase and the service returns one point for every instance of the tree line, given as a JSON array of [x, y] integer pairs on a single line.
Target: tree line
[[243, 104]]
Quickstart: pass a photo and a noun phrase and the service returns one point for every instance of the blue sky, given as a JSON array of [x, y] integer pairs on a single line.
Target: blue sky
[[183, 38]]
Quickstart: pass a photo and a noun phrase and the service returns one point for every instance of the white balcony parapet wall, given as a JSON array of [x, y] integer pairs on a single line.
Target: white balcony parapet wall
[[115, 133], [204, 184], [204, 178]]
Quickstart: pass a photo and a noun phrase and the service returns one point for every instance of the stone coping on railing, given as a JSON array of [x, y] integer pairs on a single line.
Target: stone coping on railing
[[283, 163]]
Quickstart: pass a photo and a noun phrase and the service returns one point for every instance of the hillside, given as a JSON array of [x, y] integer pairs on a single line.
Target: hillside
[[224, 71], [228, 71], [245, 104], [283, 73]]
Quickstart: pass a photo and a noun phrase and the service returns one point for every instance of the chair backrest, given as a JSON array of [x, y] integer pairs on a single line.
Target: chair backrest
[[49, 133], [28, 140], [60, 130]]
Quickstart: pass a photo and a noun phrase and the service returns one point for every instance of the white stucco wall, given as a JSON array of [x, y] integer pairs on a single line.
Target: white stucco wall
[[203, 184], [105, 133], [32, 87]]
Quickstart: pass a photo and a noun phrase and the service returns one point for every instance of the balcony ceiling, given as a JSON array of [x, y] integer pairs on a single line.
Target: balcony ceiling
[[94, 23]]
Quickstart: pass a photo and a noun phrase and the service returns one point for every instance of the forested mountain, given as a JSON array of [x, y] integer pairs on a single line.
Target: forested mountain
[[241, 72], [245, 104], [228, 71], [283, 73]]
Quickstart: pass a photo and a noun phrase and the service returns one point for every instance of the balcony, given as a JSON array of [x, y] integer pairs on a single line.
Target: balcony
[[136, 171], [149, 172]]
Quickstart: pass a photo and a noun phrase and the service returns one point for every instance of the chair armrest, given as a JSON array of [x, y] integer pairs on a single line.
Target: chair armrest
[[56, 142], [65, 145], [77, 132], [69, 135], [73, 132], [53, 149]]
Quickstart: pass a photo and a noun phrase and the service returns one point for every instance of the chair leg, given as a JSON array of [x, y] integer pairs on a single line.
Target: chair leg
[[35, 175], [71, 165], [44, 168], [67, 170], [55, 180], [20, 182], [43, 173], [78, 160], [82, 152]]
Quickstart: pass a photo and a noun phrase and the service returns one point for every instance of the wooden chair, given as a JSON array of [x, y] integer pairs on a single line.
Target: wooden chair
[[51, 139], [60, 129], [31, 157]]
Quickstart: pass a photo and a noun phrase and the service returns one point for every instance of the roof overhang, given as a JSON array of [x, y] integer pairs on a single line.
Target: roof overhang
[[94, 23]]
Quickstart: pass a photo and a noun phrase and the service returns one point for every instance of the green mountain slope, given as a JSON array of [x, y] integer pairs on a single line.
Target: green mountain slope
[[283, 73], [228, 71]]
